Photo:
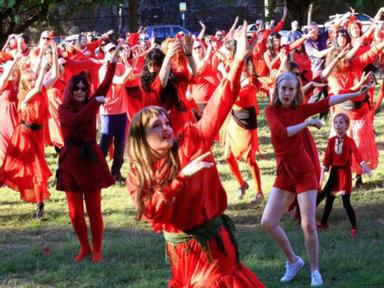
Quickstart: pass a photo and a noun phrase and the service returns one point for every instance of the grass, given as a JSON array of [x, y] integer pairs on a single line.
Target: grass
[[134, 255]]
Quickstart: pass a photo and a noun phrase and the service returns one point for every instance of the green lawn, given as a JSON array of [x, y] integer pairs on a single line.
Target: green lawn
[[134, 256]]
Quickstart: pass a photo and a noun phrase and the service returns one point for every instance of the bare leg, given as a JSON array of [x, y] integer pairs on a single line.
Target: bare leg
[[307, 204], [278, 203]]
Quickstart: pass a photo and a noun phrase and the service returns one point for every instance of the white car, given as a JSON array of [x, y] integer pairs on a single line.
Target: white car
[[363, 18], [251, 28]]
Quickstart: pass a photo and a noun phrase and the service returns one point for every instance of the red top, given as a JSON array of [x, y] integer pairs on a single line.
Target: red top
[[116, 98], [205, 84], [77, 172], [347, 147], [248, 97], [341, 82], [290, 150], [186, 203], [36, 111]]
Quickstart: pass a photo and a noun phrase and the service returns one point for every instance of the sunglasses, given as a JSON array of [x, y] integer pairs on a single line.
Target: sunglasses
[[83, 89], [197, 47], [46, 38]]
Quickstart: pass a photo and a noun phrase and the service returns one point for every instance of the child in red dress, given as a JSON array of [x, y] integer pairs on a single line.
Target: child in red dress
[[338, 156], [180, 194]]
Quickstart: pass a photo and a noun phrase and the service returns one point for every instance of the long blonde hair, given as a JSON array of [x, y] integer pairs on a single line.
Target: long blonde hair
[[299, 93], [140, 156], [23, 84]]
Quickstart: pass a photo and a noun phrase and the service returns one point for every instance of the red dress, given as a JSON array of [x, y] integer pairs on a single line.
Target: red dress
[[184, 204], [240, 139], [24, 167], [82, 165], [295, 169], [8, 116], [339, 155]]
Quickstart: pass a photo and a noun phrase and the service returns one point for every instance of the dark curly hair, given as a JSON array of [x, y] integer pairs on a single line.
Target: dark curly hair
[[168, 95], [69, 101]]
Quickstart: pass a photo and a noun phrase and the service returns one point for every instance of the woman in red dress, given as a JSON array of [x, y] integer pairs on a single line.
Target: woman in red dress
[[180, 194], [24, 168], [8, 103], [83, 171], [240, 138], [295, 171]]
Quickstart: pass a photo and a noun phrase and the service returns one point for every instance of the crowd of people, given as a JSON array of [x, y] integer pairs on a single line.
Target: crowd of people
[[163, 105]]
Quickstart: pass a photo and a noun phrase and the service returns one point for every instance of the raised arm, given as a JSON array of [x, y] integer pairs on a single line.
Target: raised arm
[[339, 98], [54, 72], [173, 49], [226, 93], [9, 66], [202, 32], [187, 45]]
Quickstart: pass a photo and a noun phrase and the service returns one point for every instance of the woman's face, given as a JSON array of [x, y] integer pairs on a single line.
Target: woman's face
[[159, 135], [83, 41], [340, 125], [341, 40], [198, 50], [79, 91], [31, 81], [355, 31], [287, 91], [153, 67], [276, 43]]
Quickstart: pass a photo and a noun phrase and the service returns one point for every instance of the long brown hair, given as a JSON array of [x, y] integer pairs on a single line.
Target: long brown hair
[[140, 156], [299, 93]]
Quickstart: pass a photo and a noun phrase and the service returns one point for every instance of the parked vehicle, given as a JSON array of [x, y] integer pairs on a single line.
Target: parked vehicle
[[284, 33], [363, 18], [161, 32]]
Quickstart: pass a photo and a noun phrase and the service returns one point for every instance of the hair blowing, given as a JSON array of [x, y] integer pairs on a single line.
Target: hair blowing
[[140, 157]]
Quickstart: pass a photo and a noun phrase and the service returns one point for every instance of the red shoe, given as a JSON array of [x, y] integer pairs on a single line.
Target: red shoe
[[97, 257], [84, 252], [322, 226], [354, 232]]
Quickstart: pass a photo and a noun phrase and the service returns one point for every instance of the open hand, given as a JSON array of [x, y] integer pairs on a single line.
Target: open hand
[[196, 165]]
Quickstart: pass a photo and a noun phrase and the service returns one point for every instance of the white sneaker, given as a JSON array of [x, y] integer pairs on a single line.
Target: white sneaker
[[316, 279], [291, 269]]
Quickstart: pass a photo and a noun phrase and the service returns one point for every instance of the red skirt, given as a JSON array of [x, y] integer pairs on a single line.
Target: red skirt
[[194, 267], [24, 168]]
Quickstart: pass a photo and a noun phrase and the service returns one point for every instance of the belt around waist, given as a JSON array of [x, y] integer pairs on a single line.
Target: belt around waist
[[32, 126]]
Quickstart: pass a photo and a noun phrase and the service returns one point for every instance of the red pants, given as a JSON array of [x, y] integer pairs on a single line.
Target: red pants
[[76, 214]]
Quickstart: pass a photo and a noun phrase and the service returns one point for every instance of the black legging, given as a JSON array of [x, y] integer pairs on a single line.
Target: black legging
[[347, 206]]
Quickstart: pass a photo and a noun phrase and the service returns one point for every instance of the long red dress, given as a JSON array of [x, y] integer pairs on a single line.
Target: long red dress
[[82, 165], [8, 116], [24, 168], [184, 204]]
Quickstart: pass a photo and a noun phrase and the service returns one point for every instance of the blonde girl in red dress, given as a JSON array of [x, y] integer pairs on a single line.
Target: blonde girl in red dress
[[338, 156], [181, 195], [25, 168], [296, 175]]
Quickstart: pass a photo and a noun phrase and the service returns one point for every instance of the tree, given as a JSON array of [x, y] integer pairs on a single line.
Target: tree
[[17, 15]]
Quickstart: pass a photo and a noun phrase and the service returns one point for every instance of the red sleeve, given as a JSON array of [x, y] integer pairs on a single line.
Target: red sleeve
[[219, 105], [69, 118], [328, 153], [367, 57], [76, 66], [310, 109], [277, 128], [133, 39], [295, 44], [279, 26], [93, 45], [158, 207], [103, 88], [355, 151]]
